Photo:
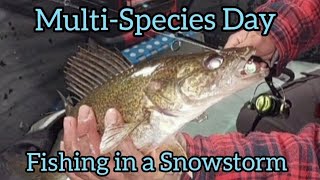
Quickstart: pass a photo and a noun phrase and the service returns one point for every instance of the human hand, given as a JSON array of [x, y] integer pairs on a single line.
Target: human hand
[[265, 47], [81, 134]]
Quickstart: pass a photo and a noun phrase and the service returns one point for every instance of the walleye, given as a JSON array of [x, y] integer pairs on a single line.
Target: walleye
[[156, 98]]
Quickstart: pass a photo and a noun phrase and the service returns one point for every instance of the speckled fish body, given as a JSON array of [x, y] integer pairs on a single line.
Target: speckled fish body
[[156, 98]]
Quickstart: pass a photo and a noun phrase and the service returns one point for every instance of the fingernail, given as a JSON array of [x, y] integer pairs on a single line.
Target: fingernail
[[111, 116], [84, 113]]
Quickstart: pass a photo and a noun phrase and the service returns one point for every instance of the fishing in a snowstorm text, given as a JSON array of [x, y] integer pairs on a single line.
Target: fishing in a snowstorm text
[[168, 163], [128, 20]]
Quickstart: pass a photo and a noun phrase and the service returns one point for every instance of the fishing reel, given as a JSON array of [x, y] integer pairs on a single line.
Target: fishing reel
[[273, 104], [269, 104]]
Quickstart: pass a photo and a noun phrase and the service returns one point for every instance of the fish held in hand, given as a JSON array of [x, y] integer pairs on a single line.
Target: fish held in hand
[[156, 98]]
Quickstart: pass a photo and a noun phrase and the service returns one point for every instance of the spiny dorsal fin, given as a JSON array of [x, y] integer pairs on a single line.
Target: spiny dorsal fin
[[92, 66]]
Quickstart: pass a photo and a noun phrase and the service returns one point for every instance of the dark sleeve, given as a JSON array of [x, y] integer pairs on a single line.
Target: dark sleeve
[[296, 29], [301, 152]]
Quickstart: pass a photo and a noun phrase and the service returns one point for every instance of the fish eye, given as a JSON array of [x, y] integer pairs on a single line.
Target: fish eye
[[213, 62]]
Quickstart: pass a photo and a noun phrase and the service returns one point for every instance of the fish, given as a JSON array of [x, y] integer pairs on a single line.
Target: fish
[[155, 98]]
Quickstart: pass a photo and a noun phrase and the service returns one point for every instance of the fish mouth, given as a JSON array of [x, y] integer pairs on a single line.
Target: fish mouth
[[251, 66], [238, 78], [235, 77], [244, 72]]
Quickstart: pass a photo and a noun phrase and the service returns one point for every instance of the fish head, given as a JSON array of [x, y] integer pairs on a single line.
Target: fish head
[[212, 76]]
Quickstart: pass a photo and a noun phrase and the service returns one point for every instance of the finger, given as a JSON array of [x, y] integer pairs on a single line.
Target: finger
[[73, 176], [86, 121], [111, 121], [266, 57], [93, 134], [83, 119], [243, 44], [83, 140], [248, 38], [69, 145], [232, 42], [112, 118], [127, 148], [247, 42], [236, 38], [69, 135], [88, 137]]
